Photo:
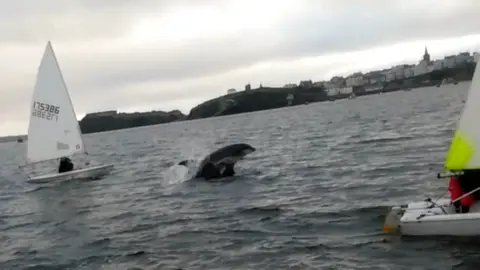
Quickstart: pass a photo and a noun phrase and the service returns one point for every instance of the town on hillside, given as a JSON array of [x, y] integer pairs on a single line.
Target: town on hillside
[[374, 81], [450, 69]]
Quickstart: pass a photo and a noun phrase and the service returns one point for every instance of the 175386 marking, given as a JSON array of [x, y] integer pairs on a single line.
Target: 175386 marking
[[45, 111]]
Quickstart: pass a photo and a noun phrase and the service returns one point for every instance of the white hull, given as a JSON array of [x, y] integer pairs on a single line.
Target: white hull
[[426, 219], [93, 172]]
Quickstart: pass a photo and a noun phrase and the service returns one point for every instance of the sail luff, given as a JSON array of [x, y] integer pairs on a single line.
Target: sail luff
[[463, 153], [67, 93]]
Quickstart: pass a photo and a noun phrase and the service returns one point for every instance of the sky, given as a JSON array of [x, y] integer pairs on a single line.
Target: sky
[[142, 55]]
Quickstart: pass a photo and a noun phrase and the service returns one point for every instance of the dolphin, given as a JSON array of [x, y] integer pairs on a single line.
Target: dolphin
[[221, 163]]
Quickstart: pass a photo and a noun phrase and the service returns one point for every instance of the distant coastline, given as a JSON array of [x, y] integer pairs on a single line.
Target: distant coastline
[[111, 120], [450, 70], [264, 98]]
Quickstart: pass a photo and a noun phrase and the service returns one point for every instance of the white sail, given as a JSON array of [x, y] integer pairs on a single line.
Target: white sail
[[53, 129], [464, 152]]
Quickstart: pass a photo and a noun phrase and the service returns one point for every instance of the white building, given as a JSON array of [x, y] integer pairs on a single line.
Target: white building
[[355, 79], [329, 85], [331, 91], [338, 81], [350, 81], [449, 61], [338, 91], [290, 98], [408, 72], [438, 64], [345, 90], [399, 71], [390, 76], [420, 69], [462, 58], [376, 78], [290, 85], [476, 56], [372, 88]]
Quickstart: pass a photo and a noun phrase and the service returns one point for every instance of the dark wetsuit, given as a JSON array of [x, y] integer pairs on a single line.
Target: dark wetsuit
[[65, 165]]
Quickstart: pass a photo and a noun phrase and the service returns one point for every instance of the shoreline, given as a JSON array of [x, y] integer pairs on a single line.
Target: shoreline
[[262, 98]]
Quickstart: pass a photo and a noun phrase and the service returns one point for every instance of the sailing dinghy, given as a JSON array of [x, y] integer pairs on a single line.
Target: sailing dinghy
[[439, 217], [53, 130]]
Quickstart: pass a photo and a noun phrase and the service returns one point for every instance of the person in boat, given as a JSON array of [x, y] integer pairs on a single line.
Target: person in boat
[[458, 186], [462, 205], [65, 165]]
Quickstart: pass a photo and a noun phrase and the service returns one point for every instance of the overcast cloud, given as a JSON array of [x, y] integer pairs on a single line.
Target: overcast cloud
[[146, 54]]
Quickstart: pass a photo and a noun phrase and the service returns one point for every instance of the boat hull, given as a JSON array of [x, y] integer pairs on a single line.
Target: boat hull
[[89, 173], [429, 219]]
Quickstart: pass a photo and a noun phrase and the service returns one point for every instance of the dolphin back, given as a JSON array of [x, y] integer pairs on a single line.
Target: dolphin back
[[229, 154], [232, 150]]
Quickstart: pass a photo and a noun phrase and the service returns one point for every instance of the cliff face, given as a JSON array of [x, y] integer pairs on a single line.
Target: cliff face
[[256, 100], [104, 121]]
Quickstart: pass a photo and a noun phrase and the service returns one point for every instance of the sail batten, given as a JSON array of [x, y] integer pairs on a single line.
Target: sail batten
[[53, 129], [463, 153]]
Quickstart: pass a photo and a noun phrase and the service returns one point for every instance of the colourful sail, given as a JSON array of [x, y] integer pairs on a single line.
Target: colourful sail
[[464, 148]]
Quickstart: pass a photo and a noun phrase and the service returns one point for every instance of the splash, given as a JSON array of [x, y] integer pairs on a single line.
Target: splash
[[176, 174], [194, 151]]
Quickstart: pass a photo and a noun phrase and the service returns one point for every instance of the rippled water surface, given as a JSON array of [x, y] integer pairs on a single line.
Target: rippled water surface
[[313, 195]]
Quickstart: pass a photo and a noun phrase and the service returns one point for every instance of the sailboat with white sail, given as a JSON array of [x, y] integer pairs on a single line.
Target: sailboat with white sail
[[53, 130], [463, 158]]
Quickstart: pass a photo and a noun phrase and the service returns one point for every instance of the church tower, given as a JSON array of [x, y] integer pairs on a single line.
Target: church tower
[[426, 56]]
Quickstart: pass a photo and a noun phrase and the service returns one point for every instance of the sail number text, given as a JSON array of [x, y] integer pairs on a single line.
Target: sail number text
[[45, 111]]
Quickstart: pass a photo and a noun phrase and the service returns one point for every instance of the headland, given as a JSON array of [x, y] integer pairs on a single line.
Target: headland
[[449, 70]]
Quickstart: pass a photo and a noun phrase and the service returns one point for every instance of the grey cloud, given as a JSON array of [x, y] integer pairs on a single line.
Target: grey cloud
[[302, 36], [14, 107], [186, 62], [29, 21], [322, 29], [319, 27], [355, 27]]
